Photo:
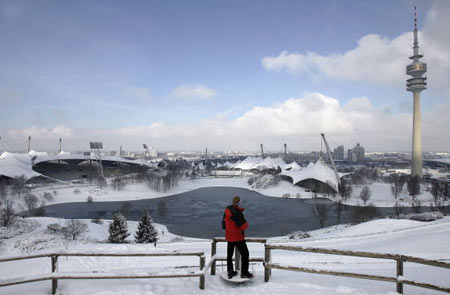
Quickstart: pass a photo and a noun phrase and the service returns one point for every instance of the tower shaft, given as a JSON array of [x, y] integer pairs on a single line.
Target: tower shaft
[[416, 165]]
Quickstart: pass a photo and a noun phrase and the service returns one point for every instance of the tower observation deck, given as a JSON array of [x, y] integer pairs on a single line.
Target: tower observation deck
[[416, 84]]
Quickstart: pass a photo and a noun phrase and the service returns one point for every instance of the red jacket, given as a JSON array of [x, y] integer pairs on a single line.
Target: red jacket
[[235, 224]]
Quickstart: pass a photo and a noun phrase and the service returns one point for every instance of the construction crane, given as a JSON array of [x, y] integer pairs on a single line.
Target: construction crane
[[331, 158]]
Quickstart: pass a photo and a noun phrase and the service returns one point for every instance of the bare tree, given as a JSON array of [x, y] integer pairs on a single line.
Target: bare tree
[[19, 185], [162, 211], [399, 209], [118, 183], [397, 183], [436, 190], [101, 182], [320, 210], [338, 207], [31, 201], [365, 194], [3, 189], [446, 191], [416, 206], [7, 214], [364, 213], [74, 228], [345, 189], [414, 186], [125, 210]]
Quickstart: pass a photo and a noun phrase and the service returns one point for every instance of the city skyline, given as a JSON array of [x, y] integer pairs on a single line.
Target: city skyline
[[180, 76]]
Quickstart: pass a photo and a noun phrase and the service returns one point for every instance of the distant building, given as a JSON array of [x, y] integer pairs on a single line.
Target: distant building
[[351, 157], [152, 152], [356, 154], [358, 150], [338, 153]]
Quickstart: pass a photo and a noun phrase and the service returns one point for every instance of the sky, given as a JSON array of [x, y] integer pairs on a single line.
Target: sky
[[222, 75]]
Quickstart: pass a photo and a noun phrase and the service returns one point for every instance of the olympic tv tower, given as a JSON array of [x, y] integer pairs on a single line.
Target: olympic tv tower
[[416, 84]]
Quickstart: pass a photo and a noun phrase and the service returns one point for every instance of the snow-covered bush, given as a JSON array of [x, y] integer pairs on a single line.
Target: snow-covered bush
[[74, 228], [118, 229], [55, 193], [89, 199], [97, 220], [360, 213], [177, 239], [48, 196], [18, 227], [299, 235], [54, 228], [76, 191], [426, 216], [286, 195]]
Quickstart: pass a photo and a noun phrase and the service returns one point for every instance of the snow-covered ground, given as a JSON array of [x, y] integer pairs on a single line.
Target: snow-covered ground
[[428, 240]]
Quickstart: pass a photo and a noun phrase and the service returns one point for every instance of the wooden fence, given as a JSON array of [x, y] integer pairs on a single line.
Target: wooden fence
[[400, 259], [54, 276]]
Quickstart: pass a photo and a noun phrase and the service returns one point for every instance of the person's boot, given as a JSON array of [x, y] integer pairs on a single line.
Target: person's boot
[[232, 274], [246, 275]]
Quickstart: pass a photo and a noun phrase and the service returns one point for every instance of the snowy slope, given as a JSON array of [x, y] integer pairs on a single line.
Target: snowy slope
[[428, 240]]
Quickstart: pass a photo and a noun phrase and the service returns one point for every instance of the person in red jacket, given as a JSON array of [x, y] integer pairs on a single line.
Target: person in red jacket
[[235, 225]]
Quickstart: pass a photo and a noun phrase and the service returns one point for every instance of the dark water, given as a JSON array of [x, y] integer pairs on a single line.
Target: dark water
[[198, 213]]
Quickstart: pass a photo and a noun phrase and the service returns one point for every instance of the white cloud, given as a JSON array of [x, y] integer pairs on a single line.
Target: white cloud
[[193, 92], [299, 121], [377, 59], [43, 133], [290, 62], [296, 121]]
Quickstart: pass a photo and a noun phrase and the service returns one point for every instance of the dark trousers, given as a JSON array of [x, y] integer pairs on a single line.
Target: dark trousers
[[242, 247]]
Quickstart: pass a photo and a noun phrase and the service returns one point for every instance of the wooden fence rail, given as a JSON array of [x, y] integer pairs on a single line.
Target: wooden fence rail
[[54, 276], [215, 258], [400, 259]]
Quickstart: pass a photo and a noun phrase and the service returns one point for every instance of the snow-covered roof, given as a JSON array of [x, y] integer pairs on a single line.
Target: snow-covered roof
[[15, 164], [319, 171], [12, 165], [38, 154], [292, 166], [258, 163]]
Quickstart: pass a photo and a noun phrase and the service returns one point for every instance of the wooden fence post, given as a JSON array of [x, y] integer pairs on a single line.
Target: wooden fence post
[[213, 252], [266, 264], [202, 262], [399, 273], [202, 281], [54, 266]]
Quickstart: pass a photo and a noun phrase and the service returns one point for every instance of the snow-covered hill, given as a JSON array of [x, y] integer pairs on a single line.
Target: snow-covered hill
[[428, 240]]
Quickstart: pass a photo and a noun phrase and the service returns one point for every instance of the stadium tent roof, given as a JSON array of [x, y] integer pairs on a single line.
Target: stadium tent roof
[[15, 164], [12, 165], [318, 171], [258, 163]]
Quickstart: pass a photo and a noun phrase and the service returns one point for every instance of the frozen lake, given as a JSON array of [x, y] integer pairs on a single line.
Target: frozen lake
[[198, 213]]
